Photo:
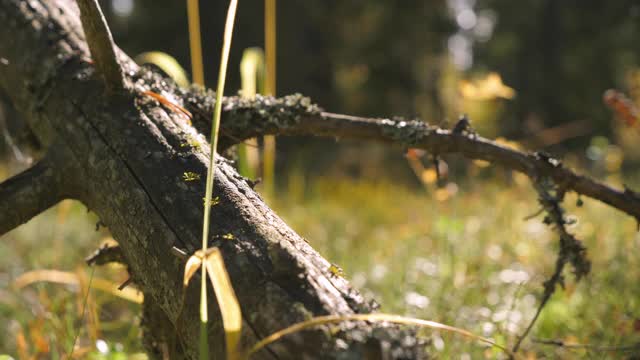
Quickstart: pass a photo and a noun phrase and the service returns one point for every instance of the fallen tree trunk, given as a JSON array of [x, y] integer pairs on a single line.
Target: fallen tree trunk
[[124, 155], [125, 158]]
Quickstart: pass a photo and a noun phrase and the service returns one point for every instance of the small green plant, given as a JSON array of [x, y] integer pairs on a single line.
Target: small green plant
[[212, 202], [190, 176], [193, 142]]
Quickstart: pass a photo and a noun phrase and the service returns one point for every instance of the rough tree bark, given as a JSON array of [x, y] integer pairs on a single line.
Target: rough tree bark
[[124, 155]]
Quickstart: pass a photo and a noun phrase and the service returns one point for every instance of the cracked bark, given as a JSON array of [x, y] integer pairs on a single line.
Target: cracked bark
[[129, 154], [130, 157]]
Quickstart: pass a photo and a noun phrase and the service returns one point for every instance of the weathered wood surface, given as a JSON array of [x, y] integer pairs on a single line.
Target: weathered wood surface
[[124, 156]]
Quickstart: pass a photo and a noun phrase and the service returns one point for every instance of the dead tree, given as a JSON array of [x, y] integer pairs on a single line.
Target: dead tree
[[124, 155]]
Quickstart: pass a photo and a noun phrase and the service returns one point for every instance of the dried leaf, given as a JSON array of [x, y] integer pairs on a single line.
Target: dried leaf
[[193, 264], [171, 105], [227, 301], [69, 278], [332, 319]]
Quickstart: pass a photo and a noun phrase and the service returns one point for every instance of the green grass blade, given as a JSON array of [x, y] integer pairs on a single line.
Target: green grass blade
[[216, 119], [204, 341], [226, 46], [84, 310]]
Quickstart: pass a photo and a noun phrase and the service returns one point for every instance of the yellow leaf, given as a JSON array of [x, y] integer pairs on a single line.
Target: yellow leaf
[[488, 88], [227, 301]]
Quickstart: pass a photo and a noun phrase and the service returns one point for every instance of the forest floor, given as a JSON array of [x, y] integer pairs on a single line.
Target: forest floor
[[466, 258]]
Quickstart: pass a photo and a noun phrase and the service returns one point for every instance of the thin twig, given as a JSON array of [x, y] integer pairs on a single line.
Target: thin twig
[[514, 299], [295, 115], [571, 249], [543, 303], [591, 347], [535, 214], [106, 254], [84, 308], [125, 283], [179, 253]]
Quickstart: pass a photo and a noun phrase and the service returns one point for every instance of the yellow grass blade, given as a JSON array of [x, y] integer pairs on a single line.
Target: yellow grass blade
[[194, 262], [166, 63], [270, 45], [396, 319], [269, 160], [69, 278], [227, 301], [195, 42]]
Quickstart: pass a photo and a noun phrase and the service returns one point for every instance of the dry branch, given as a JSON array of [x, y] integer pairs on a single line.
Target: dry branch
[[33, 191], [101, 44], [130, 154], [133, 153], [294, 115]]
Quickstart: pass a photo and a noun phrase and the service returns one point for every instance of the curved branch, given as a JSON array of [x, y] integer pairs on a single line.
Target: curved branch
[[439, 141], [296, 115], [29, 193]]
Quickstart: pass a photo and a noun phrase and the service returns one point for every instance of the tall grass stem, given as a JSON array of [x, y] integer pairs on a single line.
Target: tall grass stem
[[195, 42], [269, 159], [84, 311], [226, 46]]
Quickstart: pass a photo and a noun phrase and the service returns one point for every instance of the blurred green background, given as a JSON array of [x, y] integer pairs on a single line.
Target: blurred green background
[[456, 250]]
